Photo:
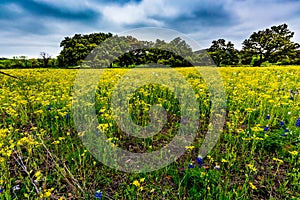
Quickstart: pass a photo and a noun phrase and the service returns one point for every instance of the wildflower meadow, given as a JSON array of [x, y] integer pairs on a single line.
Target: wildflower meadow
[[42, 155]]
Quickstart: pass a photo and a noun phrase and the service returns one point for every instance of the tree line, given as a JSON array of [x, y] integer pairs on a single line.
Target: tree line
[[17, 62], [272, 45]]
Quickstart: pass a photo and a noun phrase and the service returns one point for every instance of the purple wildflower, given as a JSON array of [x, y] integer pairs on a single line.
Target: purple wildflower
[[181, 169]]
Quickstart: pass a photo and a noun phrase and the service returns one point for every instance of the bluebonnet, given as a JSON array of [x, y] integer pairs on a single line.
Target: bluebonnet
[[99, 195], [298, 122], [286, 130], [67, 116], [199, 161], [281, 123], [268, 117], [49, 108], [266, 128], [217, 167], [1, 190], [191, 166]]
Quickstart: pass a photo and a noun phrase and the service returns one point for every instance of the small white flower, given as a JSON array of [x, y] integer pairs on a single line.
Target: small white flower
[[17, 187]]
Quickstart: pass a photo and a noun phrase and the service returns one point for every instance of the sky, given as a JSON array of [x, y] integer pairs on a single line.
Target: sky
[[29, 27]]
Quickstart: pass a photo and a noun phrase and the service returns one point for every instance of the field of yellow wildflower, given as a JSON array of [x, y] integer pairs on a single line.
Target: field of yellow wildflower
[[42, 155]]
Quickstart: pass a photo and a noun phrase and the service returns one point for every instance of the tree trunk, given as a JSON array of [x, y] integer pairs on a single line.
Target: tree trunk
[[258, 63]]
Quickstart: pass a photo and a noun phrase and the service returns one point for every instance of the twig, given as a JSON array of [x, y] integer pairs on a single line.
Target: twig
[[8, 75], [23, 166], [66, 170]]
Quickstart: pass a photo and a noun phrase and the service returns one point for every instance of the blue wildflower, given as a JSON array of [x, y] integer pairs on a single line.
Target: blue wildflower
[[281, 123], [99, 195], [268, 117], [67, 116], [217, 167], [1, 190], [191, 166], [49, 108], [298, 122], [284, 135], [266, 128], [286, 130], [199, 161]]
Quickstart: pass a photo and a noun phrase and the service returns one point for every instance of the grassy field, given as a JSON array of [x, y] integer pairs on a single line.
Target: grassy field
[[42, 155]]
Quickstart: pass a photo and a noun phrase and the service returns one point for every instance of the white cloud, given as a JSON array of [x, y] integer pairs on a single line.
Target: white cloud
[[146, 12], [14, 8]]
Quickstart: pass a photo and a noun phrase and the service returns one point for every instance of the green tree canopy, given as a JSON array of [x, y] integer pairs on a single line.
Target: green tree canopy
[[271, 44], [223, 53], [77, 48], [125, 51]]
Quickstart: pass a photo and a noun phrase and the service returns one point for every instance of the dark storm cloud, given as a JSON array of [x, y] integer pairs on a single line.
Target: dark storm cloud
[[38, 10], [203, 18]]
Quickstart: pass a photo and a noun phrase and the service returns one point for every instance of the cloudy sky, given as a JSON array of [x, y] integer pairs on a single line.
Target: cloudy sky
[[31, 26]]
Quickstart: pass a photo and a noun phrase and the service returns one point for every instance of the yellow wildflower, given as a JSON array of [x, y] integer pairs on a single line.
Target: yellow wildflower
[[294, 153], [136, 183], [278, 160], [253, 187]]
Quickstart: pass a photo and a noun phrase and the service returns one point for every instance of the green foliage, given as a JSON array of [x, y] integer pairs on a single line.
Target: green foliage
[[77, 48], [271, 45], [223, 53], [121, 51], [23, 62]]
